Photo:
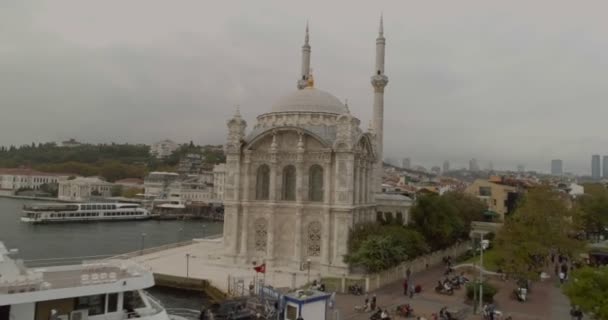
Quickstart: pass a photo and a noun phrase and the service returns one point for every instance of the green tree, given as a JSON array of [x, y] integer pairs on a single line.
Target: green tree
[[467, 207], [540, 224], [378, 253], [588, 289], [437, 220], [593, 206], [364, 236]]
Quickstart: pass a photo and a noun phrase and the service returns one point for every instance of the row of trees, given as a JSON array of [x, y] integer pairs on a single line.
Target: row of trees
[[436, 223], [111, 161]]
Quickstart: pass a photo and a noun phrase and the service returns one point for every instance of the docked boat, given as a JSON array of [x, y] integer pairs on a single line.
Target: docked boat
[[82, 212], [96, 290]]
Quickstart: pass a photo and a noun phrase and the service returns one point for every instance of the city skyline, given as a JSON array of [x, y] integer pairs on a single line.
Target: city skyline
[[448, 98]]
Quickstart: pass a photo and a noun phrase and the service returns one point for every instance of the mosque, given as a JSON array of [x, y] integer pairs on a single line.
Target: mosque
[[303, 176]]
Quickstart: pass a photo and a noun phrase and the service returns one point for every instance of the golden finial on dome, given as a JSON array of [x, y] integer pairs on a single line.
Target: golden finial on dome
[[311, 80]]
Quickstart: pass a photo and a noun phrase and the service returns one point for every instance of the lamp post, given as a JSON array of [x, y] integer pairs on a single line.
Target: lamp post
[[143, 241], [187, 265], [481, 271], [308, 266]]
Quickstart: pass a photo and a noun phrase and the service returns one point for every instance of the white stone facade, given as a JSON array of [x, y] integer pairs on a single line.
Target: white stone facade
[[13, 179], [302, 177], [163, 149], [81, 189]]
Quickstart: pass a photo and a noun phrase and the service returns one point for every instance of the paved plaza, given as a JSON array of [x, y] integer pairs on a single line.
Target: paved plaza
[[545, 300]]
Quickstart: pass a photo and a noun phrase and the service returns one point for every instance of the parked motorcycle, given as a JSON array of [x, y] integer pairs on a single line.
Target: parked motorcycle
[[520, 294], [443, 289], [355, 289], [405, 311]]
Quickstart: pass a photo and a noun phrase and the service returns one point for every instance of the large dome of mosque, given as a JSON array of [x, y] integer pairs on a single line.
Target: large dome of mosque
[[310, 99]]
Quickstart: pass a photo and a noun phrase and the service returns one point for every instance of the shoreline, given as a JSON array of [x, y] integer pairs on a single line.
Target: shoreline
[[33, 198]]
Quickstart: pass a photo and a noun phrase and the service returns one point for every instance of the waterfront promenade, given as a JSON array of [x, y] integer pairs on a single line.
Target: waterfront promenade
[[546, 302]]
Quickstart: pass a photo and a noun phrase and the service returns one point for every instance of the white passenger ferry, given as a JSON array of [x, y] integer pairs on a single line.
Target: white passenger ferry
[[96, 290], [80, 212]]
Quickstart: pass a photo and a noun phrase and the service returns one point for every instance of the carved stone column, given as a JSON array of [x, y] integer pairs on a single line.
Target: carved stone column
[[325, 241], [297, 244], [356, 178], [272, 196], [245, 202]]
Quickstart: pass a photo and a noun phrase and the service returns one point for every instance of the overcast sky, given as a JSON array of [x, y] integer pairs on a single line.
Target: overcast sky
[[504, 81]]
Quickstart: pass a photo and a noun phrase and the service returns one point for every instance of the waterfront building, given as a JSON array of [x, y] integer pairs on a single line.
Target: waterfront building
[[83, 188], [130, 183], [595, 167], [557, 167], [219, 182], [14, 179], [191, 188], [163, 149], [302, 176], [156, 184], [605, 167]]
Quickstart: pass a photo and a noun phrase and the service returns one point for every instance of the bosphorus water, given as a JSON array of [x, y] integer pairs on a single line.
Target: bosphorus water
[[74, 240]]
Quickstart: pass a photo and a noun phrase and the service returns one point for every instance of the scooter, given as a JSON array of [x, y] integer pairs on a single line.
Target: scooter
[[521, 294], [441, 288], [405, 311]]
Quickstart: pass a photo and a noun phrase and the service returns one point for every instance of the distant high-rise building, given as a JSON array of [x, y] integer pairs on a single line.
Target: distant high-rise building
[[473, 166], [490, 166], [595, 166], [605, 167], [446, 166], [405, 163], [557, 167], [521, 168]]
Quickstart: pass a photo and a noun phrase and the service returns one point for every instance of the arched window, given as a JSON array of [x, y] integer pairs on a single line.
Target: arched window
[[261, 235], [315, 185], [262, 183], [289, 183], [314, 239]]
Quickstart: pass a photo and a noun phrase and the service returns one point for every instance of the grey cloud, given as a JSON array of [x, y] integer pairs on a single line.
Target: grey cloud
[[510, 82]]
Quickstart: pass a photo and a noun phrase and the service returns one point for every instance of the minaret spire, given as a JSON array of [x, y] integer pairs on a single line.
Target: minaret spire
[[305, 71], [379, 82]]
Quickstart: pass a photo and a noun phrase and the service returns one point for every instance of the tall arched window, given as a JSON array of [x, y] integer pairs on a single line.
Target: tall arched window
[[314, 239], [261, 235], [289, 183], [315, 184], [262, 183]]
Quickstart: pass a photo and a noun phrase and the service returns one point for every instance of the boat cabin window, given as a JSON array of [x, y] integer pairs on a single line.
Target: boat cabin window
[[132, 300], [112, 302], [96, 304]]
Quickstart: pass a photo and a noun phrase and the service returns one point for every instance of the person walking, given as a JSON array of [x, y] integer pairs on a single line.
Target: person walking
[[405, 286], [373, 304]]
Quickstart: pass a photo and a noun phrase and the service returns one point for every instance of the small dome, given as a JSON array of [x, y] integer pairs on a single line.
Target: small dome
[[310, 100]]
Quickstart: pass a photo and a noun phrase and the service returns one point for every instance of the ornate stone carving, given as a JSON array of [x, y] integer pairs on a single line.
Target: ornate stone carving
[[261, 235], [314, 239], [379, 81]]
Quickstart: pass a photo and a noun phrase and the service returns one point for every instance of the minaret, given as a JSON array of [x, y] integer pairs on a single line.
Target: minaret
[[305, 73], [379, 81]]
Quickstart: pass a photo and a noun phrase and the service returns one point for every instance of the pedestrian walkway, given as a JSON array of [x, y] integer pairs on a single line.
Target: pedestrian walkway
[[545, 301]]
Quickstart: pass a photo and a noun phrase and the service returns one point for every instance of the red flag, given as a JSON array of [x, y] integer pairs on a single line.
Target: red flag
[[260, 269]]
